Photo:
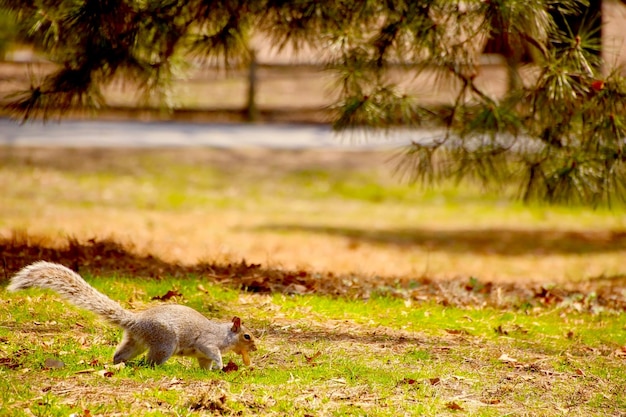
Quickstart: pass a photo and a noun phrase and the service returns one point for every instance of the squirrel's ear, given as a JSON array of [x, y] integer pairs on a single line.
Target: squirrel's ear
[[236, 324]]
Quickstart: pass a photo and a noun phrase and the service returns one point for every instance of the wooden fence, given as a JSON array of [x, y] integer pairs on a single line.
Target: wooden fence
[[260, 92]]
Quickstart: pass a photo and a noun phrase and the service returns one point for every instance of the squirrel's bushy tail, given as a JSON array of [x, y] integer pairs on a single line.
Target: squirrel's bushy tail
[[73, 287]]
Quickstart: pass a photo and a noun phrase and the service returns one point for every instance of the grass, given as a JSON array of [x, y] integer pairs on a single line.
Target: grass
[[319, 210], [422, 340], [318, 356]]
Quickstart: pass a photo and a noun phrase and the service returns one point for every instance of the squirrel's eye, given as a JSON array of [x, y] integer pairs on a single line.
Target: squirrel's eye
[[246, 336]]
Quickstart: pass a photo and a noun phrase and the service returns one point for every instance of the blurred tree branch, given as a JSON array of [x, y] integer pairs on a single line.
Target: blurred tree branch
[[557, 134]]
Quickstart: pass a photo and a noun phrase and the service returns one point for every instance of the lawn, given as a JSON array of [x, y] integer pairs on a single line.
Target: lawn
[[369, 296]]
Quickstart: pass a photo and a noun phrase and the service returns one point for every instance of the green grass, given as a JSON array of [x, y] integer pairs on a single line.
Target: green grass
[[318, 356], [380, 354]]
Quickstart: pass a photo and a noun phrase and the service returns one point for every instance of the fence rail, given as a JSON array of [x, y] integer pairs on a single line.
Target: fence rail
[[263, 92], [259, 92]]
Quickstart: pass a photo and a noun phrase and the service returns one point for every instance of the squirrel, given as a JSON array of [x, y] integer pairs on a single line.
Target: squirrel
[[163, 330]]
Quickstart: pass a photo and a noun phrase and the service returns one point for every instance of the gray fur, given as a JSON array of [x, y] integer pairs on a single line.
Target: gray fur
[[164, 330]]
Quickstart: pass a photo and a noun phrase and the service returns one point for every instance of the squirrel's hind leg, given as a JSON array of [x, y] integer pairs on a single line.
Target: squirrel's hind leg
[[159, 354], [128, 348]]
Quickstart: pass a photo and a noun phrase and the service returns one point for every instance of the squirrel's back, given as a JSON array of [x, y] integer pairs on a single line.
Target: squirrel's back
[[164, 330], [73, 287]]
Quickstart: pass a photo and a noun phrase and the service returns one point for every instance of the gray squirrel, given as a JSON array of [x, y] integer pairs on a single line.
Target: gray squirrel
[[163, 331]]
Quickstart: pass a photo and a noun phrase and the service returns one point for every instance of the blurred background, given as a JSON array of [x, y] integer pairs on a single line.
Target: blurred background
[[277, 85]]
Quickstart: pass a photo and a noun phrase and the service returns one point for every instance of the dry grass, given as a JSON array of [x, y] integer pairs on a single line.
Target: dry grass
[[316, 210]]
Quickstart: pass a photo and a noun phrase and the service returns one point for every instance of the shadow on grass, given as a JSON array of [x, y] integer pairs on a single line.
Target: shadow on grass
[[345, 333], [507, 242], [110, 258]]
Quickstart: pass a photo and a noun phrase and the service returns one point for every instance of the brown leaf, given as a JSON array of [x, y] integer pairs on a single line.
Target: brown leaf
[[434, 381], [453, 406], [548, 296], [501, 331], [9, 363], [492, 401], [168, 295], [230, 367], [311, 359]]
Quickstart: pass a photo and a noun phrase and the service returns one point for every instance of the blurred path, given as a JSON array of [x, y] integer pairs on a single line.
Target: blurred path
[[175, 134]]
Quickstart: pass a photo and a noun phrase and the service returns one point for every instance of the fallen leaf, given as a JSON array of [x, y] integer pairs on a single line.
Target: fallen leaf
[[442, 348], [9, 363], [434, 381], [85, 413], [311, 359], [621, 352], [230, 367], [492, 401], [168, 295], [501, 331], [473, 284], [507, 359], [105, 374], [453, 406]]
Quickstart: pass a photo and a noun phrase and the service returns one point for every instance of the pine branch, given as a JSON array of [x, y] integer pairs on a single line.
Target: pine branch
[[559, 136]]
